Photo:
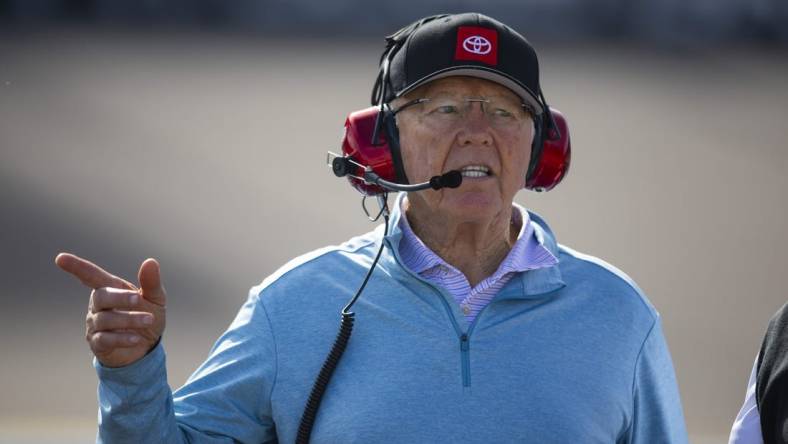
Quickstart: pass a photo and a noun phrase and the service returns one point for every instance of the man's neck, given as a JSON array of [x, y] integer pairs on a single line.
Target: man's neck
[[476, 249]]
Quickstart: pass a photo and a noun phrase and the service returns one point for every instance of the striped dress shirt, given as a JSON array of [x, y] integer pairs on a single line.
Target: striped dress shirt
[[526, 254]]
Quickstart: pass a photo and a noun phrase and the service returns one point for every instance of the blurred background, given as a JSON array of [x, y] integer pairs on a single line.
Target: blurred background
[[195, 132]]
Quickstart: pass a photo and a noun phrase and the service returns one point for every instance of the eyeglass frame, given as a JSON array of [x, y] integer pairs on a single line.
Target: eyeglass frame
[[527, 108]]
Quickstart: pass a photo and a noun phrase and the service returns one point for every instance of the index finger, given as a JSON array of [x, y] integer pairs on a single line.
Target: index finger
[[89, 273]]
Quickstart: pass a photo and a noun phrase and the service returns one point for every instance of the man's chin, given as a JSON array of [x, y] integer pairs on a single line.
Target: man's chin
[[470, 206]]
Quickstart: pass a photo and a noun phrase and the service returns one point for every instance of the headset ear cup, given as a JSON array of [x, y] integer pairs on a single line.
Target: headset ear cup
[[537, 146], [392, 136], [552, 155]]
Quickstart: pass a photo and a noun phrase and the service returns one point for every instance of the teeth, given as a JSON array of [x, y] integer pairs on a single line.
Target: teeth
[[475, 171]]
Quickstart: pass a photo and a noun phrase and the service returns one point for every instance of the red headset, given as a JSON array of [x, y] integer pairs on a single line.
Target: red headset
[[370, 144], [550, 151]]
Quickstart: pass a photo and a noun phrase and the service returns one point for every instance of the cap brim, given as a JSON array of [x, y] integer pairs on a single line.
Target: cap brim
[[483, 73]]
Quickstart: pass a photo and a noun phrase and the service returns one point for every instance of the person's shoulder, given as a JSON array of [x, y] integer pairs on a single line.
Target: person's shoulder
[[592, 274], [604, 280], [601, 290], [323, 266]]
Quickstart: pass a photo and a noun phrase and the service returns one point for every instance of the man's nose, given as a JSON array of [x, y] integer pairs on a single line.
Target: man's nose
[[475, 126], [474, 107]]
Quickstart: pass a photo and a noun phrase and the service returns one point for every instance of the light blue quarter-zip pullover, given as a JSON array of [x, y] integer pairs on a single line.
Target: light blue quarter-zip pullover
[[570, 353]]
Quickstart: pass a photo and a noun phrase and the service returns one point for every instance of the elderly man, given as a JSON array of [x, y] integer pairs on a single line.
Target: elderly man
[[476, 326]]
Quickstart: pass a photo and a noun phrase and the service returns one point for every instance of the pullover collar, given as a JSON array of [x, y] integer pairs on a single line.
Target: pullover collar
[[529, 284]]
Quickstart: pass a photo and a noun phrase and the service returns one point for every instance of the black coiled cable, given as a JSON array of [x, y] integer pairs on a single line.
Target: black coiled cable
[[321, 383], [340, 344]]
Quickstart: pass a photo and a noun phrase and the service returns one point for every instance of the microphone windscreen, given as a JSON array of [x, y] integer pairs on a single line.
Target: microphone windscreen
[[452, 179]]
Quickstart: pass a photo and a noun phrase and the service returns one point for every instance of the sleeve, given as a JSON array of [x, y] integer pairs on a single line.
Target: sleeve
[[747, 425], [226, 400], [658, 417]]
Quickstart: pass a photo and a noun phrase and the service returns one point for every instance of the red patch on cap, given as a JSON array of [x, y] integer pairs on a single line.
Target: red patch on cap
[[477, 43]]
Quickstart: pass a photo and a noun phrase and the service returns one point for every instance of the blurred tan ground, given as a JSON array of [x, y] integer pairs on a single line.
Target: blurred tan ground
[[207, 152]]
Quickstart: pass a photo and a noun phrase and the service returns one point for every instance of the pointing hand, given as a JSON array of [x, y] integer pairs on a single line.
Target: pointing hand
[[124, 322]]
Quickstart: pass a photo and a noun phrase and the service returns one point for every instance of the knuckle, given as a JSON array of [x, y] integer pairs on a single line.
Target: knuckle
[[101, 292], [101, 344], [97, 340], [143, 320], [100, 299], [92, 301], [97, 320], [103, 340], [102, 320]]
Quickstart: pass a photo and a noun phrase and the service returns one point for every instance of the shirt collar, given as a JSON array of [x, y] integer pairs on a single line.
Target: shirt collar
[[414, 253], [534, 254]]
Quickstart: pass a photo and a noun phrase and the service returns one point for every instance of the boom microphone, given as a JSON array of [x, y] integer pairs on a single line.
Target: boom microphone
[[452, 179], [343, 166]]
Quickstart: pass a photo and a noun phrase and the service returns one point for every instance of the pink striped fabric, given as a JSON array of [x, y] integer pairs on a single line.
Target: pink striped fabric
[[526, 254]]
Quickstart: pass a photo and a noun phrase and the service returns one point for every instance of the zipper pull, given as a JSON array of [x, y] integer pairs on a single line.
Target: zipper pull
[[464, 345]]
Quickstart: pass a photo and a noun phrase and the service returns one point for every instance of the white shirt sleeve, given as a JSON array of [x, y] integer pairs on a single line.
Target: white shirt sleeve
[[747, 426]]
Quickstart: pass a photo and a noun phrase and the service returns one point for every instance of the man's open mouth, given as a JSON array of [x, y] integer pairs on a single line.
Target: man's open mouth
[[475, 171]]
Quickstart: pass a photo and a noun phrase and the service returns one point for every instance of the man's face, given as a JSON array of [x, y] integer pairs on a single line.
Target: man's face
[[432, 146]]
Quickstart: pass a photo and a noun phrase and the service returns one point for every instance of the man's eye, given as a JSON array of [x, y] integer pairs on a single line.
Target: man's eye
[[446, 109], [500, 112]]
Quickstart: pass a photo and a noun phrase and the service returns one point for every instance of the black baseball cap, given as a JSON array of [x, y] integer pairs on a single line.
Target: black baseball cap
[[468, 44]]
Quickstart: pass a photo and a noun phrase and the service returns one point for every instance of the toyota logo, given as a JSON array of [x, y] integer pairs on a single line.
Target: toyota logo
[[477, 45]]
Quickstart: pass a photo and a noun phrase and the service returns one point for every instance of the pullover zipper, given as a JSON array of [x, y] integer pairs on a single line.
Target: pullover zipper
[[465, 338], [466, 360]]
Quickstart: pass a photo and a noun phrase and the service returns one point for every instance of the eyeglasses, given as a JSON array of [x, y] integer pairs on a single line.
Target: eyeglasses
[[445, 111]]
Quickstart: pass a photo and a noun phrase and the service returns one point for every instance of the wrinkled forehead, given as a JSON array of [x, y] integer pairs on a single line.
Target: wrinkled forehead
[[463, 86]]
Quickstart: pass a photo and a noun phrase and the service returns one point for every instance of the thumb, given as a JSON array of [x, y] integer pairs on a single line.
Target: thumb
[[150, 282]]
